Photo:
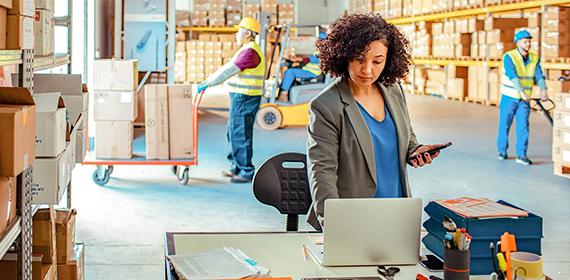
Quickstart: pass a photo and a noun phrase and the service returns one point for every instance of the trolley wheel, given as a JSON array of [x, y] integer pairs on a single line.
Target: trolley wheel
[[183, 179], [174, 169], [269, 118], [101, 180], [110, 169]]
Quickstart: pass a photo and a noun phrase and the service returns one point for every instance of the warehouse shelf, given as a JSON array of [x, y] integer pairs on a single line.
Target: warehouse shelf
[[47, 62], [556, 66], [456, 62], [478, 11], [10, 57], [10, 236], [207, 29]]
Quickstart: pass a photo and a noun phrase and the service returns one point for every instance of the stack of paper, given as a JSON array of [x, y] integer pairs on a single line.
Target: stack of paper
[[220, 263]]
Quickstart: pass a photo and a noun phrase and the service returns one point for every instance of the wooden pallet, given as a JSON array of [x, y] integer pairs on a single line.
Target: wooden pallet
[[561, 170], [475, 100], [459, 99]]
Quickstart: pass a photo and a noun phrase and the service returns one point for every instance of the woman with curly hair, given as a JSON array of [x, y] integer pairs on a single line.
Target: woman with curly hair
[[360, 134]]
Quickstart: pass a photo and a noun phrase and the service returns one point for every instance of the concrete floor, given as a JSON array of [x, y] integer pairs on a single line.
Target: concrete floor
[[123, 223]]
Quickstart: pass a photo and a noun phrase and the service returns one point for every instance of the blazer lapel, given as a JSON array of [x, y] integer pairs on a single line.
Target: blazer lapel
[[359, 126], [392, 105]]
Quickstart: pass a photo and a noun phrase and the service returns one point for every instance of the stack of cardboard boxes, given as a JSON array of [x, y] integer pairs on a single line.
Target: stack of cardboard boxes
[[195, 51], [381, 7], [556, 28], [561, 134], [199, 14], [270, 6], [395, 8], [233, 12], [251, 10], [115, 109], [4, 5], [216, 13], [20, 24], [212, 57], [360, 6], [203, 56], [44, 28], [180, 62], [286, 14], [169, 122], [456, 82]]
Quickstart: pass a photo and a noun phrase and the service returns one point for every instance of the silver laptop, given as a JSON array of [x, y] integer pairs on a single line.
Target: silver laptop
[[376, 231]]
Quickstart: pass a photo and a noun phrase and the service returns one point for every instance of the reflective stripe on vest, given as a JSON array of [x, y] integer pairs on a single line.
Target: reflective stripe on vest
[[525, 73], [248, 81], [313, 68]]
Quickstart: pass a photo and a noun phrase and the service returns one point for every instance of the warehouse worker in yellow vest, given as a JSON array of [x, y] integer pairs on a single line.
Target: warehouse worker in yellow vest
[[521, 71], [244, 76]]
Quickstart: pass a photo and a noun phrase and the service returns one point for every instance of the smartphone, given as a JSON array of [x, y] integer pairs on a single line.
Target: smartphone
[[432, 263], [431, 152]]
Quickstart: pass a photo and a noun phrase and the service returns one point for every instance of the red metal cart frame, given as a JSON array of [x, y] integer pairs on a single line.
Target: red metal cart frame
[[180, 168]]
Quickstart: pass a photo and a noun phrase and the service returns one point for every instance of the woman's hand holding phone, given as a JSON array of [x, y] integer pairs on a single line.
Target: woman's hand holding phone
[[426, 154]]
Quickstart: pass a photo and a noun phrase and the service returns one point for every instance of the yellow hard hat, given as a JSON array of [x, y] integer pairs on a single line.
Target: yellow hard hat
[[250, 24]]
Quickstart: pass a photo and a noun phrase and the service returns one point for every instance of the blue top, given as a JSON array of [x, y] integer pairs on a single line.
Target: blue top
[[313, 59], [386, 154], [511, 71]]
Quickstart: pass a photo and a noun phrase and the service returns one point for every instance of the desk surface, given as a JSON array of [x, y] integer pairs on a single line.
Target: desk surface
[[281, 252]]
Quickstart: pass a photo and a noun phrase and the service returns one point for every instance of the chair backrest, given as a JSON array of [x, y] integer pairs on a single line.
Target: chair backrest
[[282, 182]]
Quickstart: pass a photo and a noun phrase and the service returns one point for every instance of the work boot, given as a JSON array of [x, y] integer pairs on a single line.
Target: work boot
[[503, 156], [524, 161], [236, 179]]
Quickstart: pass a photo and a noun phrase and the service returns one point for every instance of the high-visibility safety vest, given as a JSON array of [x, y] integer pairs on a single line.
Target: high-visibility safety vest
[[524, 73], [248, 81], [313, 68]]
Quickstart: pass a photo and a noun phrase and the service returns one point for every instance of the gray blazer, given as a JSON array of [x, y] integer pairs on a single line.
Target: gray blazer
[[340, 152]]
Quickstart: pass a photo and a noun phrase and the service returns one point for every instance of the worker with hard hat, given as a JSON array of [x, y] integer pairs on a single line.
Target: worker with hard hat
[[521, 72], [243, 75], [308, 71]]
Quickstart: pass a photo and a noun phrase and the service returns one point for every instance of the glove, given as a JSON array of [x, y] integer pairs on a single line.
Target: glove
[[202, 87]]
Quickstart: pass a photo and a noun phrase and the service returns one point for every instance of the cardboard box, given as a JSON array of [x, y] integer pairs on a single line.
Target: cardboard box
[[456, 88], [73, 270], [22, 8], [43, 236], [18, 126], [561, 145], [43, 33], [20, 32], [65, 235], [3, 18], [7, 4], [8, 198], [51, 124], [81, 144], [156, 120], [561, 119], [66, 84], [76, 105], [556, 38], [181, 121], [49, 272], [117, 75], [558, 86], [473, 83], [555, 51], [499, 36], [114, 139], [562, 101], [504, 23], [44, 4], [9, 267], [115, 105], [49, 179]]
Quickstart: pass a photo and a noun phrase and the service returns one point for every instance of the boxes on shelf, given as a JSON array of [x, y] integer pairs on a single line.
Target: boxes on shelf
[[65, 235], [234, 5], [43, 33], [8, 196], [562, 100], [251, 10], [73, 270], [114, 139], [50, 179], [181, 128], [199, 18], [504, 23], [156, 121], [43, 236], [233, 18], [9, 267], [19, 32], [3, 18], [51, 124], [18, 126], [22, 8]]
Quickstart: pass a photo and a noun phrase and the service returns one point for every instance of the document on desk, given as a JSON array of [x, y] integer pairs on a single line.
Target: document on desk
[[220, 263]]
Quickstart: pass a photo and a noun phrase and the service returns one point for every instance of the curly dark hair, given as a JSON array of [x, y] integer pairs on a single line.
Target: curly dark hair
[[349, 37]]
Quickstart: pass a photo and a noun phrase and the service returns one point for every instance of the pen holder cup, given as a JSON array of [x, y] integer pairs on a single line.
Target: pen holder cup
[[456, 264]]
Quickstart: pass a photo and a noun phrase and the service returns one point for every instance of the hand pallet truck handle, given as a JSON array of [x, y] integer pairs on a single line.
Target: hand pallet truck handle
[[544, 111]]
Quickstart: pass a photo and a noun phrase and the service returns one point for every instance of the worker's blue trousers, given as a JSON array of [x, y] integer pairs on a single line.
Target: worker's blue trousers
[[292, 73], [512, 108], [243, 109]]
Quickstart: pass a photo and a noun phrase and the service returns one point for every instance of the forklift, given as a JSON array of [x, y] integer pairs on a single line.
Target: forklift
[[273, 113]]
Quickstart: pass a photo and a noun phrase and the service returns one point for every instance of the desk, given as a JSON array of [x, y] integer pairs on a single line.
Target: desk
[[281, 252]]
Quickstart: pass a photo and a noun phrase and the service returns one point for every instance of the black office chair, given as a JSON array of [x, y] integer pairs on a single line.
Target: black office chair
[[282, 182], [307, 81]]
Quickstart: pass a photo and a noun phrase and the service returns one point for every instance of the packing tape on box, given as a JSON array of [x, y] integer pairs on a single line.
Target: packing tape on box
[[527, 266]]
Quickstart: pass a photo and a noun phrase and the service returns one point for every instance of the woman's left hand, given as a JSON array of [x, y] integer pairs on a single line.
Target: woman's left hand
[[419, 160]]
